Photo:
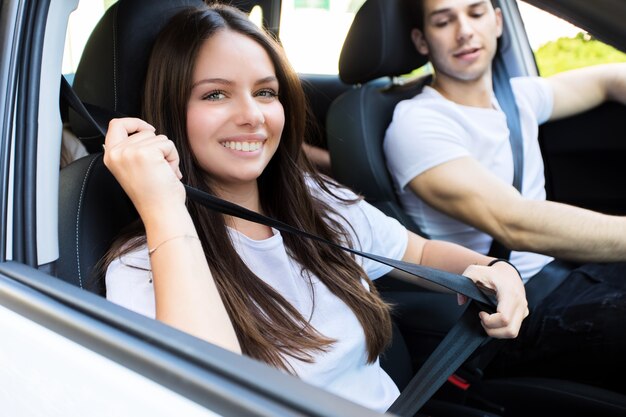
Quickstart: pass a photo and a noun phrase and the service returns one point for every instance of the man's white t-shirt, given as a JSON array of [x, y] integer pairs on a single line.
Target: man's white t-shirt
[[342, 370], [428, 130]]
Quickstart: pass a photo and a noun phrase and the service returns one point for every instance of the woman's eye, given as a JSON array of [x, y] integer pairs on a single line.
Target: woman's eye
[[214, 95], [268, 93], [441, 23], [477, 14]]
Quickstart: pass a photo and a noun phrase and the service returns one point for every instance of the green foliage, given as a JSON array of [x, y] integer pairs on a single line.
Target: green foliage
[[580, 51]]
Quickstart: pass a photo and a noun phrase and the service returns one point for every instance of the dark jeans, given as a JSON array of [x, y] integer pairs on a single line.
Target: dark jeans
[[578, 332]]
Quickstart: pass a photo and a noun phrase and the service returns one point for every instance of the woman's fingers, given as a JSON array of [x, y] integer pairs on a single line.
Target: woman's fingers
[[145, 164], [121, 129], [171, 155]]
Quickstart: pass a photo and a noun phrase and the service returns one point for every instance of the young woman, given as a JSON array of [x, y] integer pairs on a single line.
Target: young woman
[[226, 113]]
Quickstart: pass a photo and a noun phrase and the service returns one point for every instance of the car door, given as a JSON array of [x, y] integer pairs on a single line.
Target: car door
[[66, 351]]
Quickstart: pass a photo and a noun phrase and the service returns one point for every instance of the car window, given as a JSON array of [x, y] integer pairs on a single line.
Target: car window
[[312, 32], [560, 46], [79, 27]]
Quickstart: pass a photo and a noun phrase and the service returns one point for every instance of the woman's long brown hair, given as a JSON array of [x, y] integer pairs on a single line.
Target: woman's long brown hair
[[268, 327]]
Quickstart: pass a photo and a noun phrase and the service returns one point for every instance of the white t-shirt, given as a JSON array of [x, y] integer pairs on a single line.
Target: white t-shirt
[[342, 370], [428, 130]]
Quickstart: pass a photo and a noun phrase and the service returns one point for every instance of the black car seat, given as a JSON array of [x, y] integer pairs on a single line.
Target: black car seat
[[373, 54], [376, 51], [93, 208]]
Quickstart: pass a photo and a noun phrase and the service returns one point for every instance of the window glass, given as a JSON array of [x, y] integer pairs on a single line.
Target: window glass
[[312, 32], [560, 46], [81, 23]]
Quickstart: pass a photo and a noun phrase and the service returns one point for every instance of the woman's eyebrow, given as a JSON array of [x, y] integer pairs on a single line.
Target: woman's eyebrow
[[224, 81], [212, 81], [266, 80]]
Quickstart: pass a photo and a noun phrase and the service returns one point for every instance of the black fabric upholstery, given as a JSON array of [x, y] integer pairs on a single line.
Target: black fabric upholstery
[[379, 43], [93, 209], [356, 125], [112, 68]]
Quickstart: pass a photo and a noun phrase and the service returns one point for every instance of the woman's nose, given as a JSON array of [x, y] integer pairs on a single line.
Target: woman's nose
[[250, 112]]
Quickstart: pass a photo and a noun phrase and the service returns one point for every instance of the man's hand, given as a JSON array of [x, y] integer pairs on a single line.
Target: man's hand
[[512, 306]]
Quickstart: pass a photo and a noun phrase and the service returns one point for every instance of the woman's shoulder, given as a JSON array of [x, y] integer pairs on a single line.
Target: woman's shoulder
[[330, 191]]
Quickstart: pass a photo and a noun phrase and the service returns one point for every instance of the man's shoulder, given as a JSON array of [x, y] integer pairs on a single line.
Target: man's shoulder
[[428, 105], [525, 84]]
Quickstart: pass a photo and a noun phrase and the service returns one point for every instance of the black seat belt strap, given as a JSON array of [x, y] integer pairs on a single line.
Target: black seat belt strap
[[466, 335], [460, 342], [506, 99]]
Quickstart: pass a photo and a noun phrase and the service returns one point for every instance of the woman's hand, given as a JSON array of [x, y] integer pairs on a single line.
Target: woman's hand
[[145, 164], [512, 307]]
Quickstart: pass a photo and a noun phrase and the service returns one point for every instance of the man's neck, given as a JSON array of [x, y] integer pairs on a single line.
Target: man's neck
[[474, 93]]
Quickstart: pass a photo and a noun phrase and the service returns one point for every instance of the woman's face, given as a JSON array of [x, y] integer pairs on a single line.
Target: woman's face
[[234, 117]]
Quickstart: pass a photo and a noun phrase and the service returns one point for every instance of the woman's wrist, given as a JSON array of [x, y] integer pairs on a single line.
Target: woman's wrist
[[166, 223]]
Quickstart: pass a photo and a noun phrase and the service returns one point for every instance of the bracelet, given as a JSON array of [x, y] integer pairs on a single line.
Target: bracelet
[[151, 251], [495, 261]]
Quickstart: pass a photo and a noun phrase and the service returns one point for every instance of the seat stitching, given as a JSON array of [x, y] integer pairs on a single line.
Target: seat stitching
[[115, 61], [80, 203], [89, 137]]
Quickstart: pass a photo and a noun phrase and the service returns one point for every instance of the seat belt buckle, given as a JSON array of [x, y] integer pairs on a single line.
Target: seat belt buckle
[[459, 382]]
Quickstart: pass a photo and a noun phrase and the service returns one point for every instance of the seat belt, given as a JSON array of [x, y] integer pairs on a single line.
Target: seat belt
[[506, 99], [460, 342], [554, 273]]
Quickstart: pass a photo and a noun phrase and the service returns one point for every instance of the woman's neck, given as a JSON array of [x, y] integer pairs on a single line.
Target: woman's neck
[[246, 196]]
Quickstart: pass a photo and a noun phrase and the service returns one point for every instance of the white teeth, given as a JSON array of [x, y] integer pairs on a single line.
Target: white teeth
[[242, 146]]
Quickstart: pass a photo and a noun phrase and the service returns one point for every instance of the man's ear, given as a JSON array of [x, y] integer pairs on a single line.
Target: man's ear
[[417, 36], [499, 26]]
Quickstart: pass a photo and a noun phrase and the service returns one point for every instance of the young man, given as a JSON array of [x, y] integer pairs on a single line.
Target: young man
[[449, 153]]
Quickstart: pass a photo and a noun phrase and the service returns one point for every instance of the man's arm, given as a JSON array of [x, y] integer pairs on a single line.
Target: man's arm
[[319, 157], [465, 190], [583, 89]]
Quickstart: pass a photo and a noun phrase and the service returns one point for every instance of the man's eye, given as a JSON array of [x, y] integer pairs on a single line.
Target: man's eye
[[477, 14], [441, 23], [214, 95]]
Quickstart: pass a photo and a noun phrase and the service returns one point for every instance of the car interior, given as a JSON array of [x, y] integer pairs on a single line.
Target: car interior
[[355, 112]]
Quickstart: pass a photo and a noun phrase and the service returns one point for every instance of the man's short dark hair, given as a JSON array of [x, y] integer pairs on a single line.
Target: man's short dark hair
[[416, 10]]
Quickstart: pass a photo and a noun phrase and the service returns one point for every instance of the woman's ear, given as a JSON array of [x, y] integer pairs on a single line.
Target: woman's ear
[[417, 36]]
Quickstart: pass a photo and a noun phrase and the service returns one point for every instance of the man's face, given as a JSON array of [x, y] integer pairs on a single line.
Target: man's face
[[460, 37]]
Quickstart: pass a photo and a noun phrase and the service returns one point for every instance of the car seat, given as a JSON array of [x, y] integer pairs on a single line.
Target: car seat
[[377, 50], [93, 208]]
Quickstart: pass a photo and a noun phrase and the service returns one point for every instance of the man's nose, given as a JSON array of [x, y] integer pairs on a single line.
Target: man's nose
[[465, 30]]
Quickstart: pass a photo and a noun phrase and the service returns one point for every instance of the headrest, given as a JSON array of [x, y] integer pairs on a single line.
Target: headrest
[[379, 43], [112, 68]]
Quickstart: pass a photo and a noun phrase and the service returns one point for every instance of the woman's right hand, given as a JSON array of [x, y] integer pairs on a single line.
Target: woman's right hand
[[145, 164]]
